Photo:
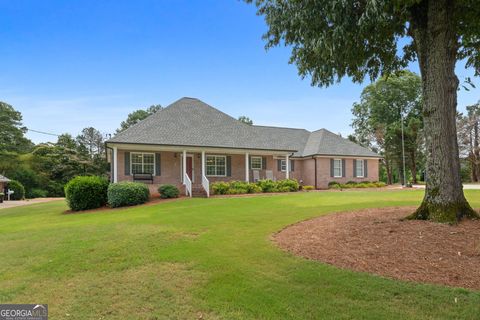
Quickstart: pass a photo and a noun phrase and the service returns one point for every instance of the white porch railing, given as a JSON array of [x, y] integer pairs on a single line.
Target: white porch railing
[[206, 185], [188, 185]]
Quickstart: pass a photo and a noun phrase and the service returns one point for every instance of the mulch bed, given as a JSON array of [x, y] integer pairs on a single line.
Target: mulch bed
[[376, 241]]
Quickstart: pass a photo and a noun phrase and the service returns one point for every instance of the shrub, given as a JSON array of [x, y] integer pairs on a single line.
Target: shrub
[[220, 187], [380, 184], [290, 185], [267, 185], [308, 188], [352, 182], [253, 188], [127, 194], [237, 191], [86, 192], [168, 191], [36, 193], [238, 187], [18, 190], [333, 184]]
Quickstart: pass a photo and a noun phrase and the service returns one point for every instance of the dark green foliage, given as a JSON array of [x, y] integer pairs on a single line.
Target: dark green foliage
[[19, 190], [12, 137], [137, 116], [333, 183], [245, 119], [168, 191], [86, 192], [36, 193], [127, 194]]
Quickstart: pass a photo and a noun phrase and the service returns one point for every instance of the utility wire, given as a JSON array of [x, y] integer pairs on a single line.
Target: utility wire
[[42, 132]]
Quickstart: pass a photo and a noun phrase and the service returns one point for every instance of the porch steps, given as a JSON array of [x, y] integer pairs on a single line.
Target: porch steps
[[198, 191]]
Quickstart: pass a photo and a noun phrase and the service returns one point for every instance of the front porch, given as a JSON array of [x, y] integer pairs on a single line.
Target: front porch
[[194, 169]]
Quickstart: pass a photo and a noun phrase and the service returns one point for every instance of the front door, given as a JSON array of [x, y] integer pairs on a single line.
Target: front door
[[190, 167]]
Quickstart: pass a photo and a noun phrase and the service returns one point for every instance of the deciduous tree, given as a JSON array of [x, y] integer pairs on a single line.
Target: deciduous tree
[[331, 39], [138, 115]]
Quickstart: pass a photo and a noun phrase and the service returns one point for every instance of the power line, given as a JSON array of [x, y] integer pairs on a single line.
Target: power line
[[42, 132]]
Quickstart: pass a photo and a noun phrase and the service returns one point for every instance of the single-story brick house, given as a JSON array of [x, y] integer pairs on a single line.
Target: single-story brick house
[[191, 144]]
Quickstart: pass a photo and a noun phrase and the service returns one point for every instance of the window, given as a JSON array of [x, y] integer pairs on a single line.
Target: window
[[216, 166], [359, 168], [256, 163], [337, 168], [283, 165], [143, 163]]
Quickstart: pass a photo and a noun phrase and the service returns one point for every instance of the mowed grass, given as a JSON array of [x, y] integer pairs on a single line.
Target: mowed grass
[[204, 258]]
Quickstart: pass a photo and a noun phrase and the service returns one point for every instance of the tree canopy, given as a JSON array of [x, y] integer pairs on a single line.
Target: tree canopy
[[12, 137], [378, 120], [245, 119], [331, 39], [138, 115]]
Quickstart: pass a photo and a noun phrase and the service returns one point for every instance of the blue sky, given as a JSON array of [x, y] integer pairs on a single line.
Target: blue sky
[[67, 65]]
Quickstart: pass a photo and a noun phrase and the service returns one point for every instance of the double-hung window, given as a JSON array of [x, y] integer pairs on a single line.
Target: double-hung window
[[283, 165], [143, 163], [216, 166], [359, 168], [256, 163], [337, 168]]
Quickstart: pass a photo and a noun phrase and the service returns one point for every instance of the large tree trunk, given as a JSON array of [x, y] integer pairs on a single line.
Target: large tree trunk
[[436, 45]]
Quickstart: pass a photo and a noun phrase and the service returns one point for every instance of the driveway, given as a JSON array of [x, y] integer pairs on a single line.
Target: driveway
[[18, 203]]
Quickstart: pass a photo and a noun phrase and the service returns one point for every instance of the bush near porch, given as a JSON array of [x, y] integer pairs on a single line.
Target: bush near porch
[[86, 192], [265, 186], [127, 194], [353, 185]]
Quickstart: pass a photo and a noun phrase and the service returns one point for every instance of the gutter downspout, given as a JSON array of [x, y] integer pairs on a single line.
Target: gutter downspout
[[315, 172]]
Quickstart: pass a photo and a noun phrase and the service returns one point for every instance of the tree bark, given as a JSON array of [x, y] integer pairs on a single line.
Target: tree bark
[[436, 43]]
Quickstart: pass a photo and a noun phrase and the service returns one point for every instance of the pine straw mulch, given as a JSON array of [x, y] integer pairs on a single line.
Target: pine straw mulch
[[377, 241]]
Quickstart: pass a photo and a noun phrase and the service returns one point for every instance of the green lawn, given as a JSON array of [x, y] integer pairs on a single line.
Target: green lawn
[[209, 258]]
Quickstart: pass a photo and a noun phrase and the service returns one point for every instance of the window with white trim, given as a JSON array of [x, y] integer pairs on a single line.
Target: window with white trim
[[216, 166], [359, 168], [142, 163], [256, 163], [337, 168], [283, 165]]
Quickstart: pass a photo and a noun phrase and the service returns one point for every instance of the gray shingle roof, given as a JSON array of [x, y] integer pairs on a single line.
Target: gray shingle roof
[[191, 122]]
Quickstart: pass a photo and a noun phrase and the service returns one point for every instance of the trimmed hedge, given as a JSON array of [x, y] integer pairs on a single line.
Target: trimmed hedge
[[127, 194], [168, 191], [18, 190], [86, 192], [266, 186], [359, 185], [308, 188]]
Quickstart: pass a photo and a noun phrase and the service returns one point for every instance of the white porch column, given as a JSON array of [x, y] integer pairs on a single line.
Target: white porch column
[[203, 165], [287, 173], [115, 164], [184, 166], [247, 171]]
